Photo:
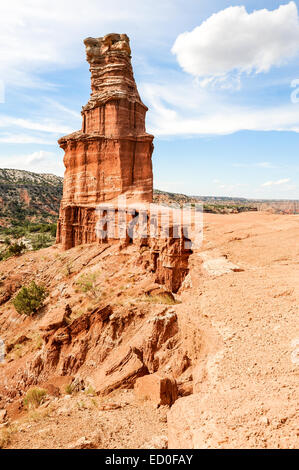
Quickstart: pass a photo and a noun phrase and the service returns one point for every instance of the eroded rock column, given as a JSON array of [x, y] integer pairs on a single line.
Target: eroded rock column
[[111, 154]]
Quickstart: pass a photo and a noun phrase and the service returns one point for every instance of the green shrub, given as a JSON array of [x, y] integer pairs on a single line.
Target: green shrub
[[68, 268], [13, 249], [87, 283], [16, 249], [69, 389], [53, 229], [160, 298], [29, 299], [90, 391], [41, 241], [34, 397]]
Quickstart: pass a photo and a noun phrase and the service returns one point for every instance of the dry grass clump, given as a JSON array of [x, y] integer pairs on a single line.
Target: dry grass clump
[[6, 435], [160, 298], [69, 389], [34, 397]]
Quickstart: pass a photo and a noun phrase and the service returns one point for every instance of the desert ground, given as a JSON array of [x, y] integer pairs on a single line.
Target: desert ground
[[228, 339]]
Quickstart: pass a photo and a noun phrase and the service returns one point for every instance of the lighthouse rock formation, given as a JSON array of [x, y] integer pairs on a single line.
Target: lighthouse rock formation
[[111, 156]]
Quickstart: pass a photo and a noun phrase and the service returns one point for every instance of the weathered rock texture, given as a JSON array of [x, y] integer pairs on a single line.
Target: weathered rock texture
[[159, 390], [111, 157], [230, 343], [111, 154]]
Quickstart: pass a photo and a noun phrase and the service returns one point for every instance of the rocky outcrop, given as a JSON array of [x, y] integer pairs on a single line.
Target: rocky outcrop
[[111, 157], [111, 154], [107, 350]]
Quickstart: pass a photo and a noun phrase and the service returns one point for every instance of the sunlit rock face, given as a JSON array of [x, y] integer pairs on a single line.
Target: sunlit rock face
[[111, 154]]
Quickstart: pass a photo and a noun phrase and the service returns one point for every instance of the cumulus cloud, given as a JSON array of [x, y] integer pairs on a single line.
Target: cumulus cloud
[[179, 109], [38, 156], [234, 40], [278, 182]]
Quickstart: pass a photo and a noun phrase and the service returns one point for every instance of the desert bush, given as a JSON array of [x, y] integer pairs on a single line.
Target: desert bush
[[4, 438], [68, 389], [29, 299], [42, 240], [90, 391], [34, 397], [87, 283], [6, 435], [68, 268], [13, 249], [42, 228], [16, 248], [53, 230]]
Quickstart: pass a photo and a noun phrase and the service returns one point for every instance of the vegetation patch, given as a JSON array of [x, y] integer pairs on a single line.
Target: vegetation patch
[[160, 298], [6, 435], [34, 397], [87, 284], [13, 249], [29, 299]]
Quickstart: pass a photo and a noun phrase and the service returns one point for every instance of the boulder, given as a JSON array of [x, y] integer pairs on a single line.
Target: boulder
[[53, 319], [50, 388], [157, 389]]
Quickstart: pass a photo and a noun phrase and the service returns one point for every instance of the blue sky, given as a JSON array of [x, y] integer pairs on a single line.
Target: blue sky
[[216, 75]]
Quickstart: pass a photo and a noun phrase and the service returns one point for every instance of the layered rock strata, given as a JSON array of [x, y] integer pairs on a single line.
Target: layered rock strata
[[111, 157], [111, 154]]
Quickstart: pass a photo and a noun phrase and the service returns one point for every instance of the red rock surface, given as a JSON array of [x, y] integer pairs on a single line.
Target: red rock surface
[[229, 342], [157, 389], [111, 154], [111, 157]]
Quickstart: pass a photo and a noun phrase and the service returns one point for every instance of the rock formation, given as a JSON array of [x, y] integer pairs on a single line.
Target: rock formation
[[110, 157], [111, 154]]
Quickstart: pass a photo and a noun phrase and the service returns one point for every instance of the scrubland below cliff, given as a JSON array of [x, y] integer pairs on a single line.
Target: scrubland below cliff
[[228, 339]]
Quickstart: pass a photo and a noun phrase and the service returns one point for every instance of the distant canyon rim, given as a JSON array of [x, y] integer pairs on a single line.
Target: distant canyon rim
[[147, 342]]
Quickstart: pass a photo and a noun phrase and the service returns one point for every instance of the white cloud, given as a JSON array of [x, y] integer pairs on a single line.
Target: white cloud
[[2, 91], [39, 156], [54, 121], [183, 109], [278, 182], [37, 36], [233, 40], [40, 162], [14, 138], [44, 125], [265, 165]]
